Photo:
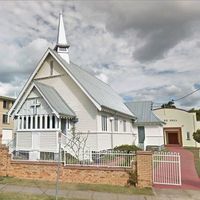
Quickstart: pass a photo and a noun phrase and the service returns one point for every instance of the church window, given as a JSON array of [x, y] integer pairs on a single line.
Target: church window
[[43, 122], [53, 121], [48, 121], [104, 122], [116, 124], [51, 68], [24, 125], [38, 122], [29, 122], [124, 125], [33, 122]]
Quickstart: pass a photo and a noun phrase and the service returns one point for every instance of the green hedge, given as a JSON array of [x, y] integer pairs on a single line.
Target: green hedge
[[127, 148]]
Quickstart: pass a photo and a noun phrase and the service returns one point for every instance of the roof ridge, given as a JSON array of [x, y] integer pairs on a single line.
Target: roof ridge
[[99, 91]]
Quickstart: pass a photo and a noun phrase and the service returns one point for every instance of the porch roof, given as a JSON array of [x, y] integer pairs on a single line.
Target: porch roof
[[54, 99]]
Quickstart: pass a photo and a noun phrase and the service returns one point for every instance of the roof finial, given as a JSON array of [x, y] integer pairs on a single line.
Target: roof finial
[[62, 44]]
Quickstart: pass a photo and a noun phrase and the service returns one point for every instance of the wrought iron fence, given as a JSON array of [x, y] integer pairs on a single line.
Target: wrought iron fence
[[107, 158]]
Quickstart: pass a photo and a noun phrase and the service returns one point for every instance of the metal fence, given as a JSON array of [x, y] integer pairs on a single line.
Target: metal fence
[[101, 159], [166, 168]]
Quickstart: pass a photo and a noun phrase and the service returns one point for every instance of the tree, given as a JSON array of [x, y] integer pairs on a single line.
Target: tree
[[170, 104], [196, 136], [193, 110]]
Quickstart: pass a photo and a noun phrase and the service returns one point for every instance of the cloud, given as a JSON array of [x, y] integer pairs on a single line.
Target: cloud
[[143, 49], [159, 25]]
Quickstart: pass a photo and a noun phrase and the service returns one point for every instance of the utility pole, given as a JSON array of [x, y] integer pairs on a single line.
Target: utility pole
[[58, 165]]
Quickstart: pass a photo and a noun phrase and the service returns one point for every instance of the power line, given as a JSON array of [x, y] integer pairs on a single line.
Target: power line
[[186, 95]]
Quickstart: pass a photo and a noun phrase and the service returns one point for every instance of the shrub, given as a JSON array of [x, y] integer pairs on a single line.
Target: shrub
[[196, 136], [127, 148], [132, 179]]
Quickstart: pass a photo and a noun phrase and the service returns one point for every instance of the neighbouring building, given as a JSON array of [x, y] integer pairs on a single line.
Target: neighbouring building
[[6, 124], [148, 127], [179, 126], [60, 95]]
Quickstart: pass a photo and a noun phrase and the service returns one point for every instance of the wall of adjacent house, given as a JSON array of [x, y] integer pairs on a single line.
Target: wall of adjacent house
[[6, 129], [182, 119], [71, 93]]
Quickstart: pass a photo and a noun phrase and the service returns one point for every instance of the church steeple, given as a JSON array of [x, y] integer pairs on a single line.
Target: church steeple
[[62, 46]]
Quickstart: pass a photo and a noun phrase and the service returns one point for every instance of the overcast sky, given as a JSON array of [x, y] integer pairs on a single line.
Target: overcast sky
[[146, 50]]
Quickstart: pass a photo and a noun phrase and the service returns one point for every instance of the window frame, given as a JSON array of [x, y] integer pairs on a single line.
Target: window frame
[[6, 121], [116, 124], [5, 104], [104, 123], [124, 126], [188, 135]]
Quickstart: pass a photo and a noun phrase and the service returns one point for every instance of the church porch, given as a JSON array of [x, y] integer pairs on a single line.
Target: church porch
[[38, 135]]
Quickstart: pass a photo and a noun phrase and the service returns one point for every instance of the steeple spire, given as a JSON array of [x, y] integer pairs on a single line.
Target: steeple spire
[[62, 46]]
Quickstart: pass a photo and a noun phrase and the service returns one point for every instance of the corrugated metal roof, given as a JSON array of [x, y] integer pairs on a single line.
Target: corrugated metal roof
[[102, 93], [54, 99], [143, 112]]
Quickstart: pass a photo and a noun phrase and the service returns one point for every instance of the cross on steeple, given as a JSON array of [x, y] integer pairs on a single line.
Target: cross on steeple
[[35, 105]]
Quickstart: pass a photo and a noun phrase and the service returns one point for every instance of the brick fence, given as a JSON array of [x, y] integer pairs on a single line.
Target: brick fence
[[93, 175]]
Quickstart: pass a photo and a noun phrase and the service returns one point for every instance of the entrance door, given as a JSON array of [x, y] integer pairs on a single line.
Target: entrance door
[[173, 138]]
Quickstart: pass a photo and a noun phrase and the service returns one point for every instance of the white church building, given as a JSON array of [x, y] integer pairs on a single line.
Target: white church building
[[60, 95]]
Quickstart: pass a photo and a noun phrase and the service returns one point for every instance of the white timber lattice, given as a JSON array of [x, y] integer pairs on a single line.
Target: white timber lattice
[[166, 168]]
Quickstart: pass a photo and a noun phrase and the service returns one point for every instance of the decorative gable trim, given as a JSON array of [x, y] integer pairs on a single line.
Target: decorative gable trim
[[29, 91], [10, 113], [25, 88]]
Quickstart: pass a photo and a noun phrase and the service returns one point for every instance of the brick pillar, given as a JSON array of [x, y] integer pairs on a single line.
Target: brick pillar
[[144, 169], [5, 159]]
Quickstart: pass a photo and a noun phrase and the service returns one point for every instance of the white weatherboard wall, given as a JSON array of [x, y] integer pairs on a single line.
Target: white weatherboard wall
[[72, 94], [180, 119], [153, 135], [108, 140]]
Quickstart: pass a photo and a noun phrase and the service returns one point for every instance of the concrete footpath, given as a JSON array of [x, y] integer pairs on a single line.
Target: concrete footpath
[[159, 194]]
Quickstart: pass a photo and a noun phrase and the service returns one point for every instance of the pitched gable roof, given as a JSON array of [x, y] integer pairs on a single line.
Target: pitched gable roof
[[143, 112], [102, 93], [54, 99]]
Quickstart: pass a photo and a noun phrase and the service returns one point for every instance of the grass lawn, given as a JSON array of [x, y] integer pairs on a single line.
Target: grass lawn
[[195, 152], [76, 186], [20, 196]]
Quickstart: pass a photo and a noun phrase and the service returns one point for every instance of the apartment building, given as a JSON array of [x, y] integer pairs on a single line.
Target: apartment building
[[6, 124]]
